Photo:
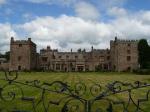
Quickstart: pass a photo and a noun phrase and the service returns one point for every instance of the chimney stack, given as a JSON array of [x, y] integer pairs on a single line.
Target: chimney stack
[[92, 48], [12, 39], [29, 39], [48, 48], [116, 38]]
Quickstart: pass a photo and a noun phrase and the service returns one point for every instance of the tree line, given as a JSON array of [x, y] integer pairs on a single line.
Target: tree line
[[6, 55]]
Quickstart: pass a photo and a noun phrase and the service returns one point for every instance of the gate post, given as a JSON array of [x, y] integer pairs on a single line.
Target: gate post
[[87, 106]]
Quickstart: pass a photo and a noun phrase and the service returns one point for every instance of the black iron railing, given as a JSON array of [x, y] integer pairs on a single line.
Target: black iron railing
[[70, 98]]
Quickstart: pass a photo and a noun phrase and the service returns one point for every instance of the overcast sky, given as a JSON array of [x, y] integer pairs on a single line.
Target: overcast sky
[[66, 24]]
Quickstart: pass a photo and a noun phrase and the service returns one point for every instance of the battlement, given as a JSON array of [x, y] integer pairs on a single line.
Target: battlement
[[29, 41], [101, 50], [124, 40]]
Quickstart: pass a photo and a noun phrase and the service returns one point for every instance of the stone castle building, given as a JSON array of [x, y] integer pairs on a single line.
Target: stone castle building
[[23, 55], [122, 56]]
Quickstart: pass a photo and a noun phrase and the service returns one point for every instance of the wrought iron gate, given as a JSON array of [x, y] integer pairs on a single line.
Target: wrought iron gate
[[68, 98]]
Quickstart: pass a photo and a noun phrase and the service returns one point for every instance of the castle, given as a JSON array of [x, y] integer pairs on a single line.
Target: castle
[[122, 56]]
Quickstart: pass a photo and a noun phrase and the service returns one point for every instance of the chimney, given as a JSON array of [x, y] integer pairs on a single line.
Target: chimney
[[48, 48], [92, 48], [29, 39], [12, 39], [116, 38]]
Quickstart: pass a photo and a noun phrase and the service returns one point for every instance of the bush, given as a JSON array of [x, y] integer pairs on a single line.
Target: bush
[[142, 71]]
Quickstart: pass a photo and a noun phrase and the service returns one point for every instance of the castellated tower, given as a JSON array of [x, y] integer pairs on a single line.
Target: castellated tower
[[124, 55], [22, 55]]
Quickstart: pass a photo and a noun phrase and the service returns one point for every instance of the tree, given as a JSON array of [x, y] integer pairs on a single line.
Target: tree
[[79, 50], [144, 54], [6, 55]]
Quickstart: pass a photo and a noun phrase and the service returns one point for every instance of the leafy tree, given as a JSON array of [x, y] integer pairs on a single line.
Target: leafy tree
[[6, 55], [79, 50], [144, 54]]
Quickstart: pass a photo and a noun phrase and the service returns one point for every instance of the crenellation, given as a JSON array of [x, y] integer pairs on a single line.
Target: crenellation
[[124, 40]]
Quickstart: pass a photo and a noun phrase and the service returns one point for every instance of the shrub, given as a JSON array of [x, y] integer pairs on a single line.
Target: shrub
[[142, 71]]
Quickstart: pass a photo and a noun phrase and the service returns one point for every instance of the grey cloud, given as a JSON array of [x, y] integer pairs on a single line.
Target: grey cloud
[[2, 2], [87, 11], [5, 34], [66, 32], [76, 31]]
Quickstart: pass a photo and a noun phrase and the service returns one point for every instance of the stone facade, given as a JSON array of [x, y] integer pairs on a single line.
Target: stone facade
[[23, 55], [122, 56], [74, 61]]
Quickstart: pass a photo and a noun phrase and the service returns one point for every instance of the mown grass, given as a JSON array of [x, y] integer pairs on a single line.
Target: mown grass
[[88, 78]]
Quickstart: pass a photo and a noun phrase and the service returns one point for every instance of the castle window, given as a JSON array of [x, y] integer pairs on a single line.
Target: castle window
[[59, 57], [128, 58], [53, 56], [108, 52], [73, 69], [128, 51], [101, 58], [57, 66], [108, 57], [129, 45], [67, 56], [114, 67], [76, 57], [86, 68], [20, 45], [44, 59], [105, 66], [19, 58]]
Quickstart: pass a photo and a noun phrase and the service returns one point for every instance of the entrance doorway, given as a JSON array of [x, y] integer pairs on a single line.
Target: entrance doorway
[[80, 68], [19, 67]]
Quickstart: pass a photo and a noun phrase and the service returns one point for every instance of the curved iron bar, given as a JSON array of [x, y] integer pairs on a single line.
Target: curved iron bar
[[76, 94]]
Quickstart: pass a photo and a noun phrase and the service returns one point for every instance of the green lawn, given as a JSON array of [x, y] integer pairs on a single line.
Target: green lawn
[[89, 79]]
